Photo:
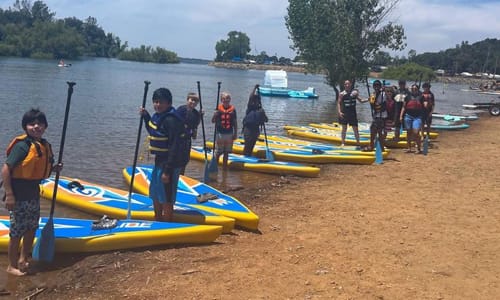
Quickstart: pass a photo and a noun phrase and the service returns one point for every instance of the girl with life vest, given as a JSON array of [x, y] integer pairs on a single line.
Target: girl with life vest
[[29, 160], [412, 114], [226, 127]]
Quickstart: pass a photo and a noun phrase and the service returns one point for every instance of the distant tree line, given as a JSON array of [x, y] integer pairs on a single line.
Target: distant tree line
[[480, 57], [31, 30]]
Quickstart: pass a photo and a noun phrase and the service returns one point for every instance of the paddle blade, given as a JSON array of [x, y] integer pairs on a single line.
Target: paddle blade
[[426, 145], [206, 175], [45, 245], [212, 166], [378, 153], [269, 155]]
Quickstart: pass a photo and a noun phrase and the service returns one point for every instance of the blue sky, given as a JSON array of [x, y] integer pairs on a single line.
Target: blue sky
[[191, 28]]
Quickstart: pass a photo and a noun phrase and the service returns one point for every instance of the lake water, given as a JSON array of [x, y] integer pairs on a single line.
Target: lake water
[[103, 120]]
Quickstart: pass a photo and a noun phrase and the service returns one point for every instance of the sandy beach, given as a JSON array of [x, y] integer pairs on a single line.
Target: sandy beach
[[415, 227]]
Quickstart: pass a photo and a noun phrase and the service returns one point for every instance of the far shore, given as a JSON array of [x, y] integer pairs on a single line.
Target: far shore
[[299, 69]]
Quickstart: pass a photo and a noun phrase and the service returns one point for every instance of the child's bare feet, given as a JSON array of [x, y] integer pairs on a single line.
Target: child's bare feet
[[24, 266], [14, 271]]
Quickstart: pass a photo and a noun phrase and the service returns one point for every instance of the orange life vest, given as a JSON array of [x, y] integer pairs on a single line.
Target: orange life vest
[[38, 162], [225, 116]]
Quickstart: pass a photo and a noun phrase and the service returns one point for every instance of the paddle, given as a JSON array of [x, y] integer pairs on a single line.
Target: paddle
[[378, 152], [45, 245], [131, 186], [212, 167], [269, 154], [206, 174], [426, 145]]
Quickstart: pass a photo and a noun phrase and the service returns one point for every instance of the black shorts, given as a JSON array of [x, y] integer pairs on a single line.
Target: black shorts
[[349, 119]]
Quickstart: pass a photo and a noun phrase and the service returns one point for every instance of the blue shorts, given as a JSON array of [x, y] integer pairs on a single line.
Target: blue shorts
[[24, 217], [157, 189], [412, 122]]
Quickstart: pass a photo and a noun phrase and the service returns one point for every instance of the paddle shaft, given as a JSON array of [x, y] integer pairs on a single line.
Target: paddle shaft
[[131, 187], [61, 146], [202, 122], [216, 107]]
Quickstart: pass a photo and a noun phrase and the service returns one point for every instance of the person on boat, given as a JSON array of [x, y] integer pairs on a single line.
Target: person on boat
[[429, 102], [191, 116], [61, 63], [226, 127], [29, 160], [412, 113], [255, 117], [346, 108], [171, 145], [401, 96], [378, 103]]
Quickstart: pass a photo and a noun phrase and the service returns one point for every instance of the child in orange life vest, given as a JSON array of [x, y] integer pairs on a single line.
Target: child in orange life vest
[[29, 160], [226, 127]]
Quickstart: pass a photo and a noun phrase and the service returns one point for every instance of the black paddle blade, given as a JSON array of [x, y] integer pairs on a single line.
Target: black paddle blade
[[45, 245]]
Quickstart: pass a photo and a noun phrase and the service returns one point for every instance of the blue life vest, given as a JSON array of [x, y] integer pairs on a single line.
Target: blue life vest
[[158, 139]]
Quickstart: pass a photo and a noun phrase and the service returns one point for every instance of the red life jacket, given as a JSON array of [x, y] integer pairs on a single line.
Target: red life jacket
[[414, 104]]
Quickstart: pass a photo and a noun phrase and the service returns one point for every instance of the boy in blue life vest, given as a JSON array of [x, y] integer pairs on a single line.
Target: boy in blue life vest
[[29, 160], [226, 127], [170, 143], [191, 116]]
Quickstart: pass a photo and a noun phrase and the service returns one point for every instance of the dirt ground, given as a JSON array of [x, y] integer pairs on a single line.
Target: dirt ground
[[415, 227]]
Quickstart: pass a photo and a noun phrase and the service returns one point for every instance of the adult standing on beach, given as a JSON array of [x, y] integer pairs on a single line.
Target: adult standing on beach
[[402, 95], [428, 107], [412, 112], [379, 115], [346, 108]]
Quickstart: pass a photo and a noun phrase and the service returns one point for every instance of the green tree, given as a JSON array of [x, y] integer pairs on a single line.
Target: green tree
[[340, 36], [410, 72], [236, 45]]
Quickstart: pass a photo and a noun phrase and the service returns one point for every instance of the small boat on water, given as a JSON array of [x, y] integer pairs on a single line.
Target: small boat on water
[[276, 85]]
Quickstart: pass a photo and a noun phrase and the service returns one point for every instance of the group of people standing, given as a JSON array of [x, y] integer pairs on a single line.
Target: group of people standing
[[30, 159], [391, 108], [171, 131]]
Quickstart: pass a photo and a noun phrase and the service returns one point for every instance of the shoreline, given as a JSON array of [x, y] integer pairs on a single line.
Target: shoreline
[[298, 69]]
